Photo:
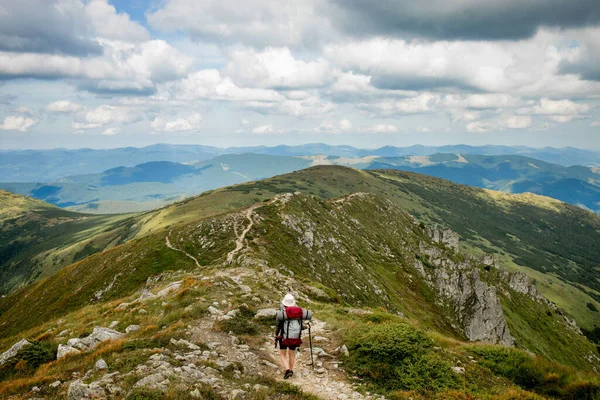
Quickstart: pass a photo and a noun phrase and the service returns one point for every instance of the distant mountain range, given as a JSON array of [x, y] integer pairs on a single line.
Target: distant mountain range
[[154, 184], [55, 164]]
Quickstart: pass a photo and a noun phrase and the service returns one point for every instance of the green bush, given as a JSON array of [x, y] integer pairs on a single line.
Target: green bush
[[145, 394], [541, 376], [39, 353], [242, 323], [397, 356]]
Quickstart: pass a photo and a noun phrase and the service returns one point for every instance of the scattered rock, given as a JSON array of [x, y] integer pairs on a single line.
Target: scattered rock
[[142, 311], [320, 339], [233, 313], [320, 371], [35, 389], [185, 343], [214, 311], [123, 306], [132, 328], [65, 350], [146, 295], [10, 353], [55, 384], [266, 313], [156, 381], [237, 394], [101, 364], [458, 370], [113, 324], [169, 289], [269, 364], [196, 394], [98, 335], [79, 390], [344, 351]]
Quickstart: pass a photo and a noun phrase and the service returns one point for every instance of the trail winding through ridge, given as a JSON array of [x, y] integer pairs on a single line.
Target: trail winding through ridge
[[239, 242], [169, 245]]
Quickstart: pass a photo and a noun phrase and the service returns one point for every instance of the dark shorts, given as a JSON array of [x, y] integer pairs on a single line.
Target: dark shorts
[[282, 347]]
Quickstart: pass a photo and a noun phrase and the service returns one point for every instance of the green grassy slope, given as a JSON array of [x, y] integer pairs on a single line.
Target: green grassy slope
[[37, 239], [360, 251], [556, 241]]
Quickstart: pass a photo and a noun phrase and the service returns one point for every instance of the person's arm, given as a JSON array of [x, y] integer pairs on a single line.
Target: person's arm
[[279, 329]]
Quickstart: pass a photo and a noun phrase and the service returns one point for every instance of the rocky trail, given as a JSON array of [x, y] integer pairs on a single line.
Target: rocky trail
[[326, 380]]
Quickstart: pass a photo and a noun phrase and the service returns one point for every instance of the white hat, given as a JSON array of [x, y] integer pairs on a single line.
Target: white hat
[[288, 300]]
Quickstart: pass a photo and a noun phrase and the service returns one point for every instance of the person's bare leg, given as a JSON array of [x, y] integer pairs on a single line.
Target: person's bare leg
[[292, 354], [284, 359]]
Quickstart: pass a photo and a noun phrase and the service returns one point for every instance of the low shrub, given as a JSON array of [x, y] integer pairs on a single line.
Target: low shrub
[[145, 394], [29, 359], [242, 323], [38, 353], [397, 356], [541, 376]]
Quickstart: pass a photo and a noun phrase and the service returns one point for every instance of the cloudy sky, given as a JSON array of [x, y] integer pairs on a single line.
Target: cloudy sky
[[110, 73]]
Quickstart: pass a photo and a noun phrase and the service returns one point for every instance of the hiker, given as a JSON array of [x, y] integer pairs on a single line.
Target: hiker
[[289, 331]]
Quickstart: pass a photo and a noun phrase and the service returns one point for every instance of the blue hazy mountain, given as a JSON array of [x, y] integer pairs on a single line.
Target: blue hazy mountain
[[55, 164], [153, 184]]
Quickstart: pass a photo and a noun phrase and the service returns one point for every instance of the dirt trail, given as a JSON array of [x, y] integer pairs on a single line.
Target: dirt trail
[[239, 242], [169, 245]]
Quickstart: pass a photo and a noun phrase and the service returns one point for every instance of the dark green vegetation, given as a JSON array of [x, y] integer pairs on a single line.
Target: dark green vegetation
[[535, 374], [38, 239], [397, 356], [29, 359]]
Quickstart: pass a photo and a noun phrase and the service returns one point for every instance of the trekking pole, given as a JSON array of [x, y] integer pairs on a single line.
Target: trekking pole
[[312, 360]]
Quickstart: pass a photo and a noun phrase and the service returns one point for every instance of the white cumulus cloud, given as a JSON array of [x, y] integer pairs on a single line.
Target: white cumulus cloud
[[64, 106], [263, 129], [18, 123], [177, 125]]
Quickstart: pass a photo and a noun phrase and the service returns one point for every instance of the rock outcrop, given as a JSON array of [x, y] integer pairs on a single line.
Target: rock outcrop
[[474, 302], [65, 350], [446, 237], [519, 282], [98, 335], [10, 353]]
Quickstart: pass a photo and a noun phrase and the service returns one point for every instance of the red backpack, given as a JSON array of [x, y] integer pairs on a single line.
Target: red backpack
[[293, 325]]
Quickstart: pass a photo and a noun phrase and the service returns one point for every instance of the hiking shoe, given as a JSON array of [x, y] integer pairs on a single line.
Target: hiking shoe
[[291, 374], [288, 373]]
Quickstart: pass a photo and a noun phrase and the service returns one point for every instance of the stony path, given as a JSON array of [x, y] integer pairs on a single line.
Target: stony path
[[169, 245], [326, 381]]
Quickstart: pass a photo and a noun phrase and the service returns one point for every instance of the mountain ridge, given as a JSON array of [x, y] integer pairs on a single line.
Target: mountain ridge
[[152, 184], [53, 164]]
